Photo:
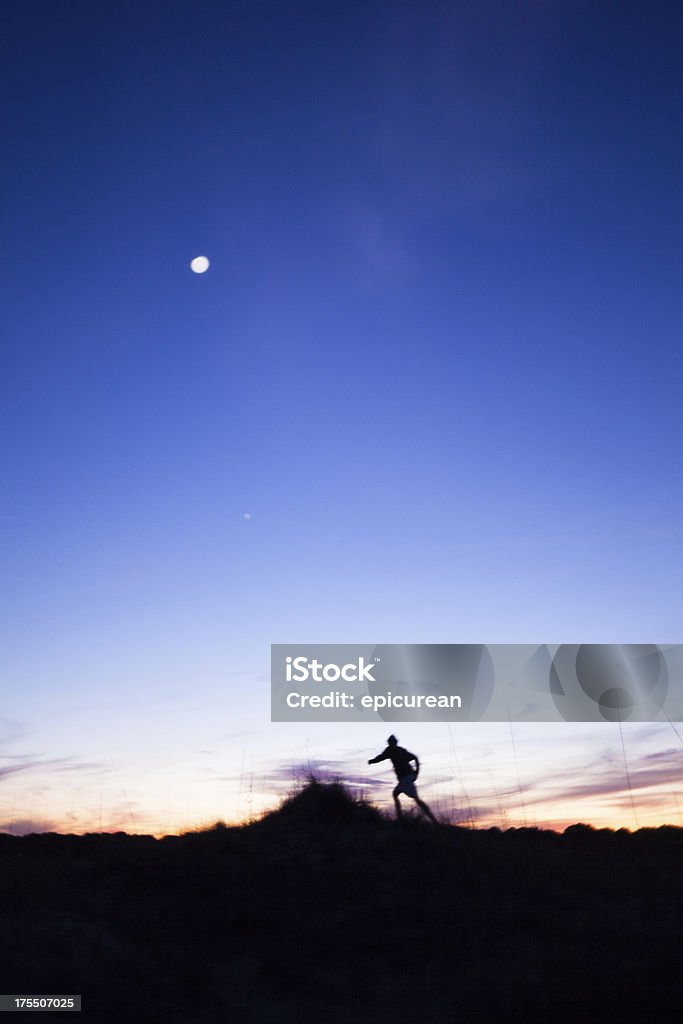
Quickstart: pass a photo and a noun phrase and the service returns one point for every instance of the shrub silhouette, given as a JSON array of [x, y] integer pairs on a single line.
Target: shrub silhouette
[[325, 803]]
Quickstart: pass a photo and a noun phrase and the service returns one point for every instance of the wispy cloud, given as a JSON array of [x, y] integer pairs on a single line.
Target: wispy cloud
[[24, 826], [607, 777], [327, 771], [28, 764]]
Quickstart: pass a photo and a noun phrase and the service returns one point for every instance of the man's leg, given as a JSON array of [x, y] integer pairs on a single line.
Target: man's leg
[[424, 807], [397, 802]]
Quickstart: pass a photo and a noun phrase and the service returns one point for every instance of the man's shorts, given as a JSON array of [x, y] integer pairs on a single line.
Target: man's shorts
[[407, 785]]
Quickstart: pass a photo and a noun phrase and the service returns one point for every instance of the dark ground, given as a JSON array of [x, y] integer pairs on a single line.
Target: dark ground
[[327, 912]]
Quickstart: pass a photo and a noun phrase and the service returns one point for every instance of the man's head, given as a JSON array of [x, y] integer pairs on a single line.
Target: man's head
[[392, 741]]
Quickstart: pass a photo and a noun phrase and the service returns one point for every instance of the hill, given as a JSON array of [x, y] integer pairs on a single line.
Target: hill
[[326, 911]]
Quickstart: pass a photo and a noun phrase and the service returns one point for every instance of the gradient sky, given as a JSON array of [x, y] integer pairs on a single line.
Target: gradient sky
[[436, 359]]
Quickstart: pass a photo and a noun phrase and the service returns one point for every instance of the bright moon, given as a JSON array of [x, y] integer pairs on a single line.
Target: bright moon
[[199, 264]]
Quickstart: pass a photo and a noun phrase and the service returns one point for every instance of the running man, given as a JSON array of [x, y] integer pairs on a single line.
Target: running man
[[405, 773]]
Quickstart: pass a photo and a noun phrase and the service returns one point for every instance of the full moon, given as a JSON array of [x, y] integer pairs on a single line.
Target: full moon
[[199, 264]]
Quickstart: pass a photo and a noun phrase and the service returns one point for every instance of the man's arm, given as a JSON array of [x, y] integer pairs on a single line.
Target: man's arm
[[380, 757], [416, 759]]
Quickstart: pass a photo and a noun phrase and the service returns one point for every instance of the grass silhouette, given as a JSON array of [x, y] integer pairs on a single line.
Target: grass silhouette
[[318, 802], [326, 910]]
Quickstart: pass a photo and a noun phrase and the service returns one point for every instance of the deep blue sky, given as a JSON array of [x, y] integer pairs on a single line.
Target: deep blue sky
[[436, 356]]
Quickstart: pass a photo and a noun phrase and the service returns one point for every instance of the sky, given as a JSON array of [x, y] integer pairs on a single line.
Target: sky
[[427, 391]]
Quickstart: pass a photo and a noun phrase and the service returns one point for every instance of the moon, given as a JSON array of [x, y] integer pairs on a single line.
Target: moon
[[199, 264]]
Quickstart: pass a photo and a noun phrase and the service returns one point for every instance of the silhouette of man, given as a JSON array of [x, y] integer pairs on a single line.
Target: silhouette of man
[[405, 773]]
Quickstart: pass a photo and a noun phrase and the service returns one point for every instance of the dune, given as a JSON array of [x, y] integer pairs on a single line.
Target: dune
[[327, 911]]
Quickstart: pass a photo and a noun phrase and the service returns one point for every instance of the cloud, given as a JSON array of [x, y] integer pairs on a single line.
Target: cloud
[[25, 764], [645, 772], [85, 768], [326, 771], [28, 764], [24, 826]]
